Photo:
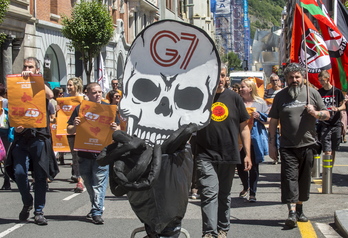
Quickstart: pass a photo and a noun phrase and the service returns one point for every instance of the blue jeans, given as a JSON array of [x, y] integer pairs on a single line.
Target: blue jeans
[[25, 153], [96, 180], [214, 183]]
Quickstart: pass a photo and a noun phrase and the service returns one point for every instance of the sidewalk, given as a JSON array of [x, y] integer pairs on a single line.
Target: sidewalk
[[339, 179]]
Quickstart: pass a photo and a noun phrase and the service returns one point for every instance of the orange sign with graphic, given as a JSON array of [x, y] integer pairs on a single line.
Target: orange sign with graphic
[[94, 131], [26, 101], [269, 101], [67, 105], [60, 142], [250, 110]]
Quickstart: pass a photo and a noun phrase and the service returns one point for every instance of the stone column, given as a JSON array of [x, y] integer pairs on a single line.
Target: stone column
[[6, 58]]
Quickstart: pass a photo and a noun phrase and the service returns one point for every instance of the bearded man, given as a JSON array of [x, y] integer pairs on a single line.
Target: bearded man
[[298, 142]]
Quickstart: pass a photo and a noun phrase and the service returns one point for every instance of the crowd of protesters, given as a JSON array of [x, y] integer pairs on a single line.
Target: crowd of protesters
[[248, 136]]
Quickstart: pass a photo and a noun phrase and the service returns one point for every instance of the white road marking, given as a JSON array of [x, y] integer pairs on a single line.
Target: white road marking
[[71, 196], [327, 230], [9, 230]]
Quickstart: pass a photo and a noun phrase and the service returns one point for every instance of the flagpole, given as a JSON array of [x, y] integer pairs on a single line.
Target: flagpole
[[305, 50]]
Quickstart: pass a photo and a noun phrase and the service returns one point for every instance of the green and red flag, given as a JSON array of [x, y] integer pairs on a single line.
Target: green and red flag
[[308, 47], [335, 41]]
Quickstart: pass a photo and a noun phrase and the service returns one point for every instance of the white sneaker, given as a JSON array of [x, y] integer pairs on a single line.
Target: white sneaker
[[222, 234], [194, 196]]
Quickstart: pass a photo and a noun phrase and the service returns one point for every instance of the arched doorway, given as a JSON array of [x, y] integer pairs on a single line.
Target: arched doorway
[[54, 66]]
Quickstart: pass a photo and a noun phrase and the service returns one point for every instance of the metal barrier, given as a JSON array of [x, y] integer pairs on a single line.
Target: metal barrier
[[141, 229], [316, 166], [327, 174]]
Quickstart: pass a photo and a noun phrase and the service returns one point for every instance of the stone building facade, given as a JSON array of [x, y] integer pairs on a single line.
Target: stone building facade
[[34, 29]]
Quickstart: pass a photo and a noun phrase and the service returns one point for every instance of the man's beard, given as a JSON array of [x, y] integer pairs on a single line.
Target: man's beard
[[294, 90]]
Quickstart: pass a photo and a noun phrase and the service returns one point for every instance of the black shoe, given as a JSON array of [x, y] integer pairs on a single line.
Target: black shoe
[[6, 187], [98, 220], [300, 215], [74, 178], [40, 220], [89, 215], [24, 214], [61, 160], [292, 219]]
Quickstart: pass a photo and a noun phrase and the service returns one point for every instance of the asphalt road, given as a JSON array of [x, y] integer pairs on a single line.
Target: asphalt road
[[66, 210]]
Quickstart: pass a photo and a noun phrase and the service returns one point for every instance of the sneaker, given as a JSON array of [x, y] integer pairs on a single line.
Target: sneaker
[[40, 220], [24, 214], [74, 178], [275, 162], [98, 220], [195, 196], [243, 194], [89, 215], [252, 199], [292, 219], [222, 234], [79, 188]]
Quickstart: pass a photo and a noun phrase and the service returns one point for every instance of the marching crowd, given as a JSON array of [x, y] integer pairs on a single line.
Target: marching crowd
[[289, 124]]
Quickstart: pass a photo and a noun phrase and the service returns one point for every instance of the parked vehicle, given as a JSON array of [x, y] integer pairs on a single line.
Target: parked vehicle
[[237, 76]]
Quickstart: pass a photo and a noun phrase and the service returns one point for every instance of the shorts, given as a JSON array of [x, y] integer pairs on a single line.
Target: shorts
[[330, 137]]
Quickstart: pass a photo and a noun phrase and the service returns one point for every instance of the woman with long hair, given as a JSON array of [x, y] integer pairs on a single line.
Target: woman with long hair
[[258, 110], [115, 98], [74, 88]]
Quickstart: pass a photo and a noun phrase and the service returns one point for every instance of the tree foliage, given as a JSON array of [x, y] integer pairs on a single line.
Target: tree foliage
[[265, 14], [89, 28], [3, 9], [232, 60]]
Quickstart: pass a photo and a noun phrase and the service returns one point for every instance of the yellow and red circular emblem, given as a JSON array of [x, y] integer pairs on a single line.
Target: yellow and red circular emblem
[[219, 111]]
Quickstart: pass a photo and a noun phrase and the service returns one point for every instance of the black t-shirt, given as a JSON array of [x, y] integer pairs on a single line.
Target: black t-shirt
[[332, 99], [218, 142]]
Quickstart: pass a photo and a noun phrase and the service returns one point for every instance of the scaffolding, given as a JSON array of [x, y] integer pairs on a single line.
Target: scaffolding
[[233, 27]]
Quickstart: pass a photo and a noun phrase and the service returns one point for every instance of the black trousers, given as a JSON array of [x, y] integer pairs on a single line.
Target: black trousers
[[296, 166]]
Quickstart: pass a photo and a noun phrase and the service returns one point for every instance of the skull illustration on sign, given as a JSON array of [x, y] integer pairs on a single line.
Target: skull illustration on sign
[[170, 79]]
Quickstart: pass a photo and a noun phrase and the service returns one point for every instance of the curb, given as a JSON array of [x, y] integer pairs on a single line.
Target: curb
[[341, 221]]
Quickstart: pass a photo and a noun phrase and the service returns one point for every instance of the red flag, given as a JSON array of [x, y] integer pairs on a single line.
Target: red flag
[[316, 54], [334, 39]]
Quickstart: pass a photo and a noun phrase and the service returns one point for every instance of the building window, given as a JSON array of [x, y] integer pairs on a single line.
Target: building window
[[54, 7], [181, 8], [170, 5]]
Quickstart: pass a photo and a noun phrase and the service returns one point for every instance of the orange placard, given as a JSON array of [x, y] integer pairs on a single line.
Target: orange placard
[[250, 110], [94, 131], [259, 86], [67, 106], [59, 142], [26, 101], [269, 101]]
